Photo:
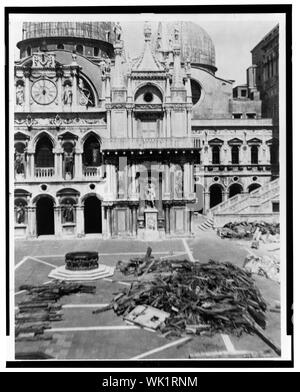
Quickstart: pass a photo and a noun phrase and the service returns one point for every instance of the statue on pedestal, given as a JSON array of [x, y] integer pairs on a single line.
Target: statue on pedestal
[[150, 195], [178, 184]]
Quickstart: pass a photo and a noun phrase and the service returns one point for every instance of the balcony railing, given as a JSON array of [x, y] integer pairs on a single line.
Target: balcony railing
[[148, 143], [92, 171], [44, 172]]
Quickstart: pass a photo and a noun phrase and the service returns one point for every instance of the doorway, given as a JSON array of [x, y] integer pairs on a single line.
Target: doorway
[[92, 215], [45, 216], [215, 192]]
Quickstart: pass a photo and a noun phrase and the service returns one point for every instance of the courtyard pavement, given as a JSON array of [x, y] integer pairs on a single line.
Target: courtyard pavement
[[84, 335]]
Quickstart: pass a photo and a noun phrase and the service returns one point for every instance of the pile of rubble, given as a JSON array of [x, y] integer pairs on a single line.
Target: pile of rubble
[[266, 266], [179, 297], [198, 297], [40, 308], [269, 232]]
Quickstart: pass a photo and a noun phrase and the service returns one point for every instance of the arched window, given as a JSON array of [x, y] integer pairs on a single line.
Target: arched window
[[235, 155], [96, 51], [216, 155], [44, 156], [235, 189], [91, 152], [28, 51], [252, 187], [254, 155], [79, 49], [60, 46]]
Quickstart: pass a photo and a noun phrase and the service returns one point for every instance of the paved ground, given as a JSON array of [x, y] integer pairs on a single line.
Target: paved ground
[[84, 335]]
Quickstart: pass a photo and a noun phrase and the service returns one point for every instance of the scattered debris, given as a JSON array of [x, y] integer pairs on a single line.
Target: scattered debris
[[263, 266], [199, 297], [267, 232], [147, 316], [35, 314]]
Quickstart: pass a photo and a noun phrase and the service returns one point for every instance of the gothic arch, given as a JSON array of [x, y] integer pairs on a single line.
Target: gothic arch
[[41, 134], [87, 135]]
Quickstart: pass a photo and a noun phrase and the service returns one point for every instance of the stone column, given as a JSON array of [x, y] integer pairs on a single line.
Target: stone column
[[168, 123], [30, 164], [133, 181], [167, 192], [109, 221], [206, 201], [225, 195], [104, 222], [129, 123], [80, 221], [189, 122], [57, 221], [108, 122], [114, 181], [260, 154], [167, 219], [31, 226], [134, 220], [58, 163], [186, 179], [78, 174]]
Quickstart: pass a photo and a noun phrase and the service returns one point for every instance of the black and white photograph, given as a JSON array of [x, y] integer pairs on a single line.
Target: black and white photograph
[[148, 204]]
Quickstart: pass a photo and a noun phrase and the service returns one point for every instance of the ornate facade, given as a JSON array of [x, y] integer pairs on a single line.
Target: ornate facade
[[115, 146]]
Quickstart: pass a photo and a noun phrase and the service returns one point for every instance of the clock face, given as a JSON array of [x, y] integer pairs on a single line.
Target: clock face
[[44, 91]]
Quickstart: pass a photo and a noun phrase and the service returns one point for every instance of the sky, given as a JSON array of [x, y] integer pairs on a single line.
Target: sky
[[233, 36]]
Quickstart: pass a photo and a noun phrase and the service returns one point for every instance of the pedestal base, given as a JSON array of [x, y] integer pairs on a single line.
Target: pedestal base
[[61, 273]]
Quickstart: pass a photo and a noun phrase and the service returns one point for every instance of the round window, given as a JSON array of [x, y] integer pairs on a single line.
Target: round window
[[196, 91], [254, 178], [92, 186], [148, 97], [216, 178], [44, 187], [235, 178]]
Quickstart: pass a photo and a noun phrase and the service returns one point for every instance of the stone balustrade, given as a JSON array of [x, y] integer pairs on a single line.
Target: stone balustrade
[[44, 172], [92, 171], [147, 143]]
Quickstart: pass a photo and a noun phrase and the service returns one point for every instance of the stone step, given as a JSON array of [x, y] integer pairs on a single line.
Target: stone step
[[61, 273]]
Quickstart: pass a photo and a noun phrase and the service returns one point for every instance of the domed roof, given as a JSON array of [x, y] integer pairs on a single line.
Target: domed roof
[[196, 44], [92, 30]]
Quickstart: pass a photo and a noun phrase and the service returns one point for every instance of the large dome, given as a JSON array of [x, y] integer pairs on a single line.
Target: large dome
[[92, 30], [196, 44]]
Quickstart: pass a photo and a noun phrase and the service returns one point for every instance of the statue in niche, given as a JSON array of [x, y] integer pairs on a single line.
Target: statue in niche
[[20, 213], [178, 184], [20, 95], [68, 95], [85, 94], [150, 195], [69, 162], [19, 163], [68, 212]]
